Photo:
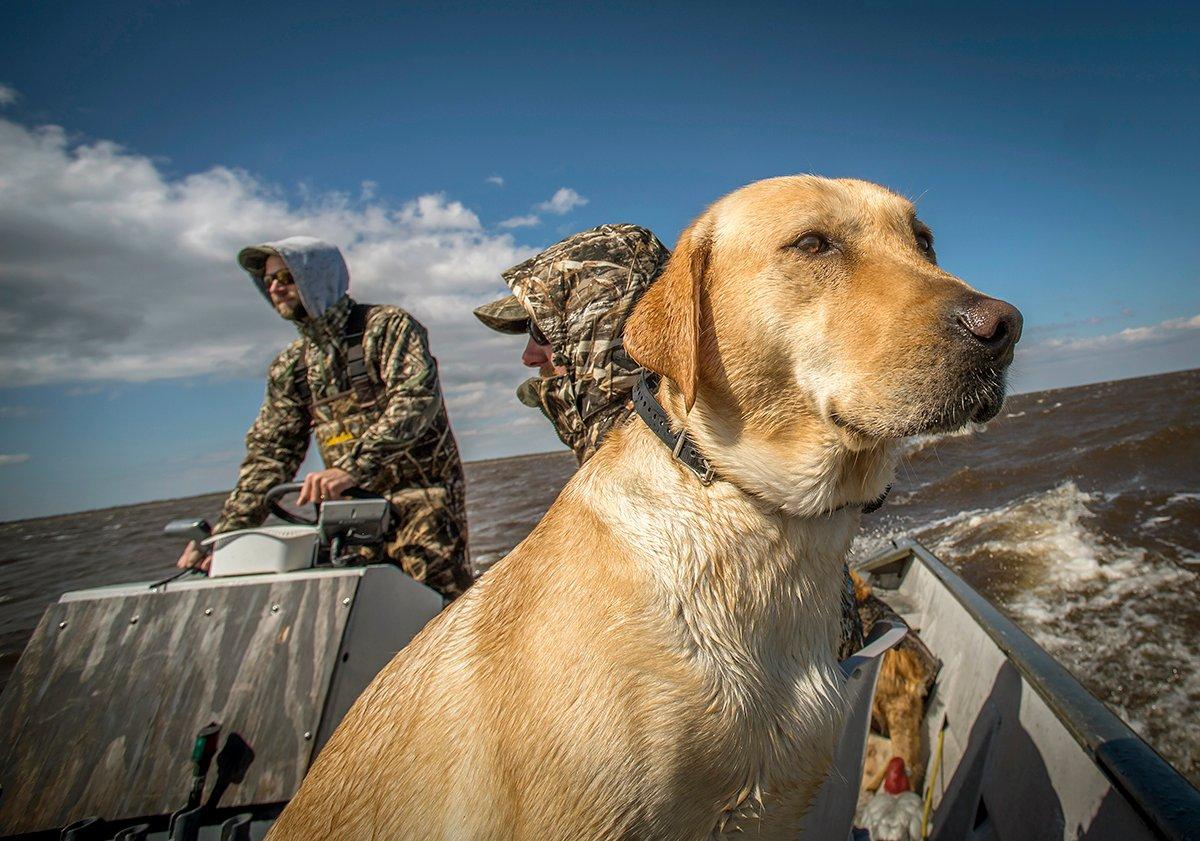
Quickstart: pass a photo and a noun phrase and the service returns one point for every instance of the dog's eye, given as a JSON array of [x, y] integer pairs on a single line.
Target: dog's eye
[[924, 242], [812, 243]]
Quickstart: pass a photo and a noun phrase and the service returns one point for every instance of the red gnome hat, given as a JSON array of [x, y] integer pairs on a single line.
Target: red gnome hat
[[895, 780]]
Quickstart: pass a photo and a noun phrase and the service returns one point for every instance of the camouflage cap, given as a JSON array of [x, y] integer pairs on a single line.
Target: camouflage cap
[[505, 315], [580, 291]]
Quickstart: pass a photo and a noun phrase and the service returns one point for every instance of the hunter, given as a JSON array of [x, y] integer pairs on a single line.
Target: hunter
[[572, 301], [361, 380]]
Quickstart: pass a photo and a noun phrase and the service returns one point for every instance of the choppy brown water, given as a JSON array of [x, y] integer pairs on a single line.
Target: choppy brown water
[[1076, 511]]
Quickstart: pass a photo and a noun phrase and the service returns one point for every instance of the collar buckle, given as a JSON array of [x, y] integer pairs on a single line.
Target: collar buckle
[[707, 475], [679, 442], [683, 449]]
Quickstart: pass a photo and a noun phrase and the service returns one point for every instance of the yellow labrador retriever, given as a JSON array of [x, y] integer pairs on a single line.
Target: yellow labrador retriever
[[655, 660]]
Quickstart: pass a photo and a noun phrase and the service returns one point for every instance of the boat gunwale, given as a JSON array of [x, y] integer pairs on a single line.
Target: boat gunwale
[[1163, 797]]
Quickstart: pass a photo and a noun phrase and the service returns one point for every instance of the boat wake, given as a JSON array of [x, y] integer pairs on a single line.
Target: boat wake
[[1119, 614]]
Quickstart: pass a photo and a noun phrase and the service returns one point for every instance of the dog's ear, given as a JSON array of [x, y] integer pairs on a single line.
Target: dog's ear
[[663, 333]]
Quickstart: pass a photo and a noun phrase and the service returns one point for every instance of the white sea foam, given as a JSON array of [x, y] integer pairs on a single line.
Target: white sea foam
[[484, 560], [915, 443]]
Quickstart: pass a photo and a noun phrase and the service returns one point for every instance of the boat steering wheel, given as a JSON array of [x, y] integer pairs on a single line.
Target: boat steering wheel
[[286, 514]]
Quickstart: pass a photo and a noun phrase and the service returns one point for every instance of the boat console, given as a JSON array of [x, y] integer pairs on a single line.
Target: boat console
[[301, 543], [169, 710]]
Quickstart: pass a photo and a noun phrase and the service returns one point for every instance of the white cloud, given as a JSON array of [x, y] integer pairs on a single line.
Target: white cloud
[[563, 201], [19, 458], [495, 179], [522, 221], [1129, 336], [8, 95], [7, 412], [1058, 361], [112, 270], [435, 213]]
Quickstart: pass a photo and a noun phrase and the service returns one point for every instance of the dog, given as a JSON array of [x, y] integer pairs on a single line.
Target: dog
[[655, 660]]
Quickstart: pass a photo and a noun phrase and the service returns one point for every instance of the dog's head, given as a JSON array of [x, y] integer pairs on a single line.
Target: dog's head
[[804, 312]]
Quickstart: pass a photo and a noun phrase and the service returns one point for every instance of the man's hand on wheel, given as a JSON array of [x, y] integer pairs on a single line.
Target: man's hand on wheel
[[325, 485], [194, 557]]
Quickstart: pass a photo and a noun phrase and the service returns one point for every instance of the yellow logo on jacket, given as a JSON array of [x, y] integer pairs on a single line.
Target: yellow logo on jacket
[[339, 439]]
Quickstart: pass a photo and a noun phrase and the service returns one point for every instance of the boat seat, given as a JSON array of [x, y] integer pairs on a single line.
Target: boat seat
[[832, 812]]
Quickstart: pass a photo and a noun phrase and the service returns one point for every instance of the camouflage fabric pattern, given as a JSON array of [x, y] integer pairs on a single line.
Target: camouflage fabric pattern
[[400, 447], [580, 292], [872, 609], [851, 625]]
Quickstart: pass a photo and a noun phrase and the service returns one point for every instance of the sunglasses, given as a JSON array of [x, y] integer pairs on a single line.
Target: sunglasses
[[537, 335], [283, 277]]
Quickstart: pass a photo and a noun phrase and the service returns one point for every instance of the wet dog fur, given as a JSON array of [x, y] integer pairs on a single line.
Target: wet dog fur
[[656, 659]]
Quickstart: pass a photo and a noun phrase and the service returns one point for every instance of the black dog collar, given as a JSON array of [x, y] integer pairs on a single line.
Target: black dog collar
[[682, 447]]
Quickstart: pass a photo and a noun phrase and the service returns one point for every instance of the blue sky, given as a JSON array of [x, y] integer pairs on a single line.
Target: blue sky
[[1053, 151]]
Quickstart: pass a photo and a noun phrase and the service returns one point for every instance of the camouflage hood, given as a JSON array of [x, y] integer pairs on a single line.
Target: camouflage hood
[[580, 293], [318, 267]]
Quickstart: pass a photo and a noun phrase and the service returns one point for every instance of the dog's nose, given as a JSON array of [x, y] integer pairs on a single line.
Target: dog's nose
[[993, 324]]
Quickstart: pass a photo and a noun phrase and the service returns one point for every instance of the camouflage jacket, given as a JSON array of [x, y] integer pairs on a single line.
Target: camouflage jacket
[[580, 292], [401, 441]]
